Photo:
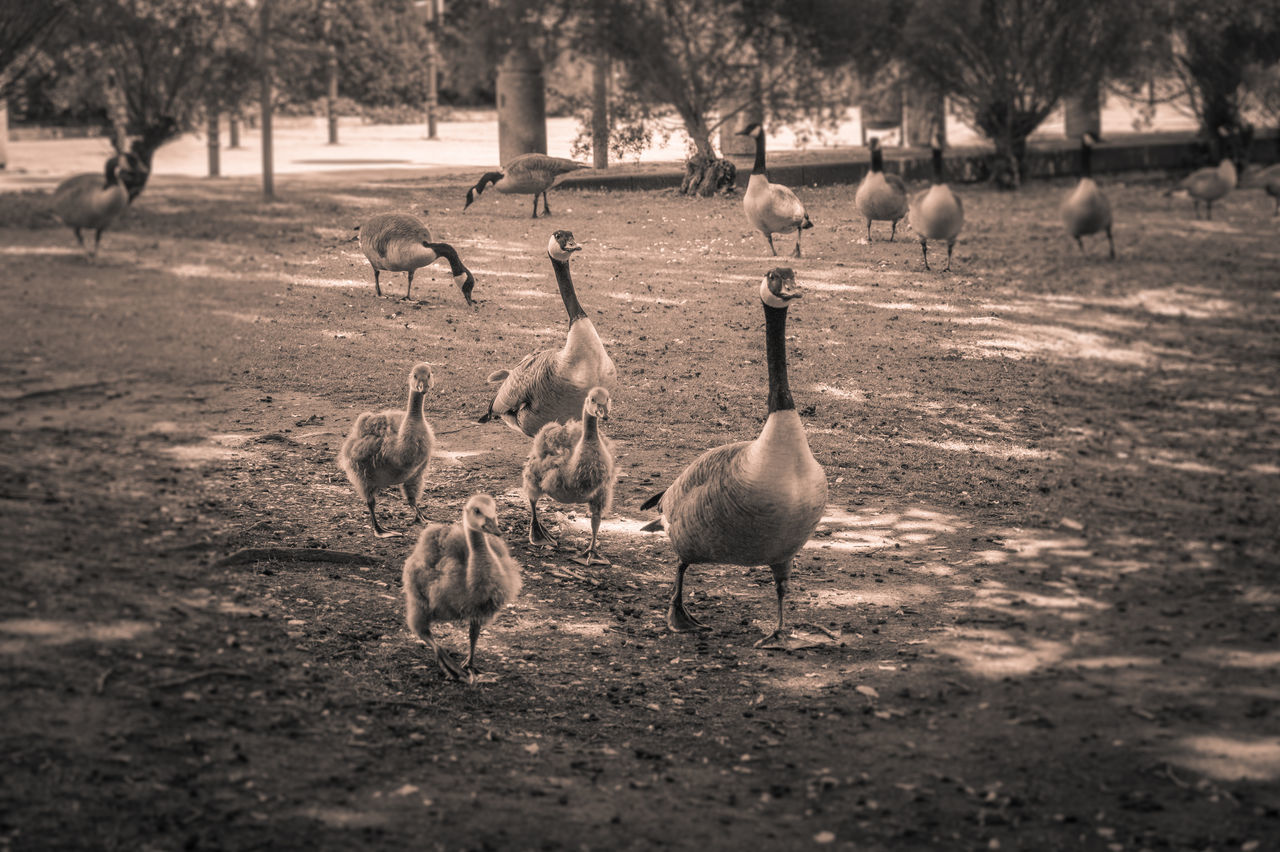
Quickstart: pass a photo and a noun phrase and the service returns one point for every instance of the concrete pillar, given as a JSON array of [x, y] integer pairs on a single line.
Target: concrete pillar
[[522, 105], [4, 134], [1082, 112], [600, 112], [213, 141], [923, 112], [731, 144]]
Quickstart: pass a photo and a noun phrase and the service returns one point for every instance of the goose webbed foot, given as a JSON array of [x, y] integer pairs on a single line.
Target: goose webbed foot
[[778, 640], [680, 621], [590, 556]]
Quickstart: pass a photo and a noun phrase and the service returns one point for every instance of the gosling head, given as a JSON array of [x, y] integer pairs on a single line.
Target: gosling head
[[753, 130], [597, 404], [779, 287], [481, 513], [421, 379], [562, 245]]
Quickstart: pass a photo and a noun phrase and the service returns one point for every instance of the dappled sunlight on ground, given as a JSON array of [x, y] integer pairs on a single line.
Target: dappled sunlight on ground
[[1230, 759], [20, 635], [1001, 451], [993, 653]]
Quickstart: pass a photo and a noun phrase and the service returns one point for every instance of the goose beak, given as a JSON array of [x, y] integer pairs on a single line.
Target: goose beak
[[572, 245], [490, 526]]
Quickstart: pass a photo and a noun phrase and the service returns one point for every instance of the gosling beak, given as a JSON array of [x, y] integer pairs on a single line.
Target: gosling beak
[[490, 526]]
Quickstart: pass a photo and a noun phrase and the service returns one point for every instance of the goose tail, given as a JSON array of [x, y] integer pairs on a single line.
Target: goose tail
[[653, 501], [653, 526]]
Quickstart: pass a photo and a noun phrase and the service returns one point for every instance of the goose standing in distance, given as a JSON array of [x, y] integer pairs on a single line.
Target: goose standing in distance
[[528, 174], [1086, 210], [771, 208], [1269, 180], [391, 448], [459, 572], [880, 197], [753, 502], [936, 212], [95, 201], [398, 242], [550, 386], [1210, 184], [573, 463]]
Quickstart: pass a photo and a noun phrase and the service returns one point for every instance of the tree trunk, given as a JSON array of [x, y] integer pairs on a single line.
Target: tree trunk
[[705, 174]]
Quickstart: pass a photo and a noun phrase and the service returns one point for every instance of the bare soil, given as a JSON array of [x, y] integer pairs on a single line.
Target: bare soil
[[1049, 564]]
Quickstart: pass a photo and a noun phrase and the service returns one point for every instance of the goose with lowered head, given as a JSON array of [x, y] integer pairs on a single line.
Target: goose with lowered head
[[398, 242], [752, 502], [550, 386]]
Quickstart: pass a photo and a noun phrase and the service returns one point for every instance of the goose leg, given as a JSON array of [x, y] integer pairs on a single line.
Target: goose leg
[[893, 231], [678, 618], [409, 289], [781, 578], [796, 253], [924, 250], [1111, 243], [868, 231], [537, 532], [97, 238], [377, 288], [80, 240], [1208, 211], [412, 490], [1080, 243], [950, 247], [378, 529], [546, 208], [768, 238], [591, 556], [535, 205]]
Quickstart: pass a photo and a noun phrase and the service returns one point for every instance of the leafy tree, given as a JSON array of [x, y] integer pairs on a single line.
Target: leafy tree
[[1007, 63], [23, 26]]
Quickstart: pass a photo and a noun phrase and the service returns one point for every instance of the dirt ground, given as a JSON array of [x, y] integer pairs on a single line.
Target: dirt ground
[[1050, 556]]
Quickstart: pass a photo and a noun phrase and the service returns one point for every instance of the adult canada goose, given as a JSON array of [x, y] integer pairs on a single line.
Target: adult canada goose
[[1269, 180], [880, 197], [459, 572], [1210, 184], [753, 502], [391, 448], [94, 201], [550, 386], [573, 463], [398, 242], [1086, 210], [936, 212], [528, 174], [771, 208]]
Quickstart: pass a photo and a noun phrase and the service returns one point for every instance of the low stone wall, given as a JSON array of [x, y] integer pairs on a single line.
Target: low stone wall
[[1180, 152]]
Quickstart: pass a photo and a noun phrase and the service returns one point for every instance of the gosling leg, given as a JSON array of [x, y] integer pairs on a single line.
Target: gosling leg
[[537, 532], [412, 490], [469, 667], [378, 529], [591, 556], [950, 247]]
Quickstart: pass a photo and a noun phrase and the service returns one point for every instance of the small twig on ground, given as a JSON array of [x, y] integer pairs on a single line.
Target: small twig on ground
[[569, 574], [185, 679], [101, 683], [459, 429], [250, 555]]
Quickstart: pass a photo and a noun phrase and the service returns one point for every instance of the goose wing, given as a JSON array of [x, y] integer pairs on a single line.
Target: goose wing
[[524, 382], [541, 164], [383, 230]]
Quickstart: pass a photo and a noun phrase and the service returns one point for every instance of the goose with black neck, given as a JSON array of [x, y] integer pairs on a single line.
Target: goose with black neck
[[751, 502], [770, 207]]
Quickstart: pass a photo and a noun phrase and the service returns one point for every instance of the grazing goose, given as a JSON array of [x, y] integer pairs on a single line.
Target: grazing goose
[[573, 463], [753, 502], [936, 212], [391, 448], [880, 197], [1269, 180], [459, 572], [771, 208], [94, 201], [528, 174], [1210, 184], [1086, 210], [550, 386], [398, 242]]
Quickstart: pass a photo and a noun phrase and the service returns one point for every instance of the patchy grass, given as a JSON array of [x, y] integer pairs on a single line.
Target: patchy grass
[[1050, 552]]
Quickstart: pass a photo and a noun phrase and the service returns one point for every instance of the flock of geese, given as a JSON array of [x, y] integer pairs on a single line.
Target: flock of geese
[[747, 503]]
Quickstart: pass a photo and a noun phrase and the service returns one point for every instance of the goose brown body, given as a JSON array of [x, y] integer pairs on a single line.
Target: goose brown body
[[1086, 210], [391, 447], [880, 197], [573, 463], [1210, 184], [936, 212], [93, 201], [528, 174], [551, 385], [751, 502], [771, 208], [398, 242], [459, 572]]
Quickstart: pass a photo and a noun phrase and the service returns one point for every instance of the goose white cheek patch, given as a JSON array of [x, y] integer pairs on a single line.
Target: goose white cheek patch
[[769, 298]]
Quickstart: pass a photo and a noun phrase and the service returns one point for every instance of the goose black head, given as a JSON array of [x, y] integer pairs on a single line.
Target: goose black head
[[466, 283], [481, 513], [1089, 139], [421, 379], [873, 143], [562, 245], [935, 140], [779, 287], [753, 129]]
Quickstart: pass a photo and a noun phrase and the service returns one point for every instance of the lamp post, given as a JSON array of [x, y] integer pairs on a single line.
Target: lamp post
[[331, 63]]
